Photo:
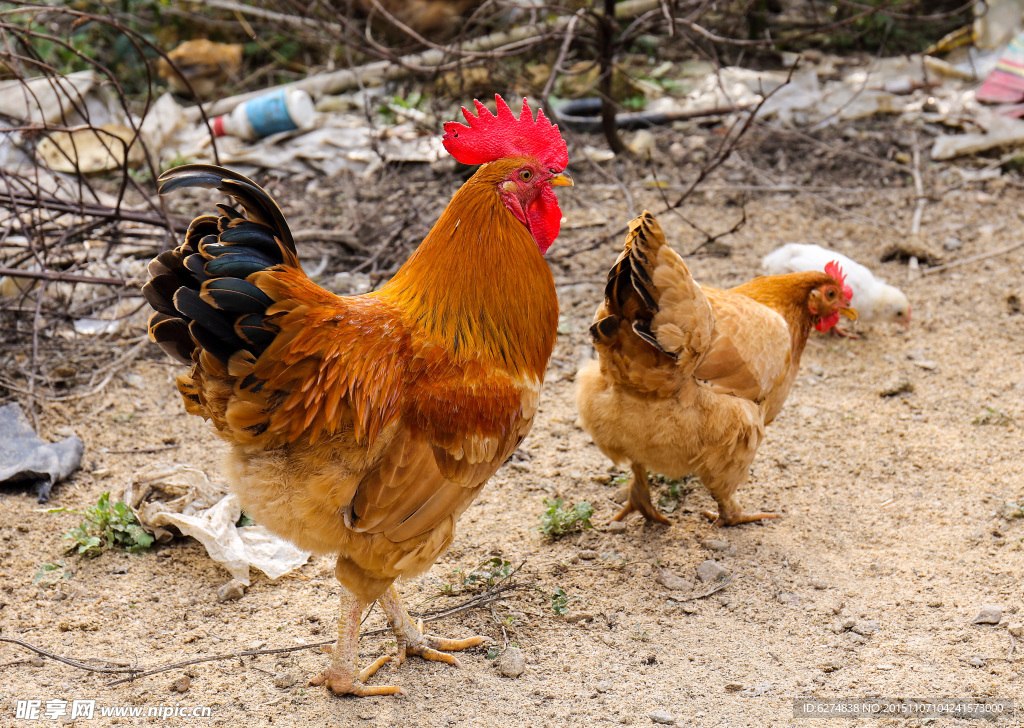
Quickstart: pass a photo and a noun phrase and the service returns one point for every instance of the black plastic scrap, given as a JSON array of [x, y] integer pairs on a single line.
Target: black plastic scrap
[[26, 460]]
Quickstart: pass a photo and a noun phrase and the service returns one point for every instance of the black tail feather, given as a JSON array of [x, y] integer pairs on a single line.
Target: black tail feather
[[199, 290]]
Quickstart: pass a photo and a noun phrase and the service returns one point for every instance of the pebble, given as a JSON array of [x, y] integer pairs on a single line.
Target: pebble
[[898, 383], [952, 243], [989, 614], [670, 580], [366, 715], [976, 661], [663, 717], [588, 554], [935, 603], [1017, 630], [232, 591], [182, 684], [787, 598], [603, 686], [512, 662], [714, 544], [285, 680], [711, 570], [866, 627], [615, 527]]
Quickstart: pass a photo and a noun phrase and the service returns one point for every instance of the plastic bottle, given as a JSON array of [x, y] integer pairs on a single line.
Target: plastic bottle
[[281, 110]]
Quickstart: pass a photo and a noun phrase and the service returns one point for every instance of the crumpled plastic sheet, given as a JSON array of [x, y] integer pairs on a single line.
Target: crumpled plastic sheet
[[185, 498], [26, 459]]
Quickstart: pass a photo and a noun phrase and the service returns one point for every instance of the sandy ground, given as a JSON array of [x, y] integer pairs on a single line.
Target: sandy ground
[[895, 533]]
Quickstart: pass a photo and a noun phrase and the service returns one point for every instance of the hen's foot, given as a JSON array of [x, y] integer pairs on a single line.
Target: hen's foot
[[341, 681], [736, 519], [639, 500], [410, 639], [843, 333]]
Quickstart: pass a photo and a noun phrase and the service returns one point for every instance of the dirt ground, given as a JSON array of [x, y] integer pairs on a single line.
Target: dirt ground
[[896, 529]]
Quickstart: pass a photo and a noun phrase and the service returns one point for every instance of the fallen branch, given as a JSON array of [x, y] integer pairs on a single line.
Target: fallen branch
[[971, 259], [46, 275], [66, 660]]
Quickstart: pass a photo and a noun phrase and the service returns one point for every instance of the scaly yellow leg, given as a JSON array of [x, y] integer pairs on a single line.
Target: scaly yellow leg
[[341, 676], [410, 639]]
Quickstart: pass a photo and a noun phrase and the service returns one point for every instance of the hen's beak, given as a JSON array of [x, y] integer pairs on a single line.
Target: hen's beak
[[562, 180], [850, 313]]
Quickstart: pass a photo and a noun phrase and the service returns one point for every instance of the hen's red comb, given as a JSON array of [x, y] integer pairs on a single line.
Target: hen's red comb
[[489, 137], [832, 268]]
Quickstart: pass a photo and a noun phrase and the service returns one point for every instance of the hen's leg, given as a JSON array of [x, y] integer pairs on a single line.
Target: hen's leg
[[729, 511], [640, 498], [410, 639], [842, 333], [341, 675]]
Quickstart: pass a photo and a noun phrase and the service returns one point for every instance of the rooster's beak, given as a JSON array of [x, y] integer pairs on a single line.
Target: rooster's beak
[[562, 180], [850, 313]]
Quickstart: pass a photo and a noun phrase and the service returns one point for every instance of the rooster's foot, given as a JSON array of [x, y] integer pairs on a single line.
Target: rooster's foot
[[342, 682], [735, 519], [410, 639]]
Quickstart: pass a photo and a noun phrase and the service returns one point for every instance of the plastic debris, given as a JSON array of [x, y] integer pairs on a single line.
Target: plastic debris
[[27, 460], [185, 498]]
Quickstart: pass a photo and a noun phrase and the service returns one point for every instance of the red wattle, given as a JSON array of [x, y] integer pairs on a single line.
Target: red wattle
[[545, 218], [828, 322]]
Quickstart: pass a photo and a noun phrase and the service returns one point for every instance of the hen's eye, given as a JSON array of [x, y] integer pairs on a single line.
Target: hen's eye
[[831, 293], [525, 175]]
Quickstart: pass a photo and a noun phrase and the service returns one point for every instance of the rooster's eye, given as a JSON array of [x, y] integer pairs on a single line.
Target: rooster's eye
[[525, 175]]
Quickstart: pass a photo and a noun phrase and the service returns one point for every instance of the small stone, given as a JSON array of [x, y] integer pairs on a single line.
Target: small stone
[[579, 617], [711, 571], [512, 662], [1017, 630], [989, 614], [588, 554], [670, 580], [714, 544], [284, 680], [952, 243], [663, 717], [976, 661], [787, 598], [733, 687], [898, 383], [615, 527], [819, 584], [866, 627], [831, 666], [230, 592], [182, 684], [603, 686], [935, 603], [366, 715]]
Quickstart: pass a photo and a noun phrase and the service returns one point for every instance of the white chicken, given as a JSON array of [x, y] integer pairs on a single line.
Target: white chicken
[[875, 300]]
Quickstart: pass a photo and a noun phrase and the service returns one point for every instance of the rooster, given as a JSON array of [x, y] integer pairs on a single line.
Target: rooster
[[364, 426], [687, 377]]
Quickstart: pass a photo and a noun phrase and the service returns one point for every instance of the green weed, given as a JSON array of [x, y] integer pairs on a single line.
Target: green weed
[[106, 526], [559, 519]]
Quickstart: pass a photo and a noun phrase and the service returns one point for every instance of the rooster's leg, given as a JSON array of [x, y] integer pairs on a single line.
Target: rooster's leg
[[640, 499], [410, 639], [341, 675]]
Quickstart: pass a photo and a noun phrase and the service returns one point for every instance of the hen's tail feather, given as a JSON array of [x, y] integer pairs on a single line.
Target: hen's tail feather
[[630, 292], [200, 290]]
